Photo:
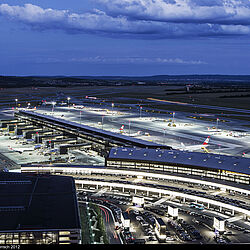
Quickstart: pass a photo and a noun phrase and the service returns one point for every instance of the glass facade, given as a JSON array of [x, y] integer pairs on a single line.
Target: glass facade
[[211, 173], [40, 237]]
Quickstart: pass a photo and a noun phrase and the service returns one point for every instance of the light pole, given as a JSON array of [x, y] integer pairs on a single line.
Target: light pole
[[112, 110], [80, 117], [102, 121], [140, 111], [217, 120], [129, 127], [50, 158], [219, 149], [173, 117], [53, 106], [68, 101], [16, 100]]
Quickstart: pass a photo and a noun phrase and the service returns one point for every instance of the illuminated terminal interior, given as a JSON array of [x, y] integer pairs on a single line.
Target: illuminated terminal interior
[[229, 168]]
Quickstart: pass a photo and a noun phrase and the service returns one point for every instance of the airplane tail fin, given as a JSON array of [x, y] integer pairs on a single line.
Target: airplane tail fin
[[121, 128], [206, 141]]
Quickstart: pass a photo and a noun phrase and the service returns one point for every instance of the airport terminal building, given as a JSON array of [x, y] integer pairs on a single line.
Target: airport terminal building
[[37, 209], [214, 166]]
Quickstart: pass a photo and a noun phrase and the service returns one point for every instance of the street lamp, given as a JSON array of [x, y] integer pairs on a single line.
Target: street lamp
[[217, 120], [173, 117], [80, 117], [129, 127], [112, 110], [16, 100], [53, 106], [68, 100], [102, 121], [140, 111]]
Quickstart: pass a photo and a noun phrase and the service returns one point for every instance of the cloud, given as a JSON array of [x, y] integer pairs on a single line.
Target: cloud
[[147, 19], [120, 60], [97, 21], [182, 11]]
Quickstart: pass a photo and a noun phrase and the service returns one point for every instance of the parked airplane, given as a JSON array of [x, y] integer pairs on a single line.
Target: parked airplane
[[90, 97], [120, 130], [21, 150], [213, 129], [133, 134], [129, 134], [194, 147]]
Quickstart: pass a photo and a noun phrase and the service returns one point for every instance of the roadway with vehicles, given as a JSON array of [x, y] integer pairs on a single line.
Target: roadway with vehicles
[[192, 225]]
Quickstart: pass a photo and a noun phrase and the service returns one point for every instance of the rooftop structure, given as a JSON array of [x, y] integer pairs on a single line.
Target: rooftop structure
[[176, 157], [38, 206], [95, 132], [223, 167]]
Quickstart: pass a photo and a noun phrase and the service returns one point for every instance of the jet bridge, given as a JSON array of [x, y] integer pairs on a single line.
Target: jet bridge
[[39, 138], [63, 149], [23, 131], [52, 143], [5, 124], [29, 134]]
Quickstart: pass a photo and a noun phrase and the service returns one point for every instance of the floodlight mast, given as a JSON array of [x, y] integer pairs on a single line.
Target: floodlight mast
[[112, 110], [129, 126], [80, 117], [68, 101], [16, 100], [53, 106]]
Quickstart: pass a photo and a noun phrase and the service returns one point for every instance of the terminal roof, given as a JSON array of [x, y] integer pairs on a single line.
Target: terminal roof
[[177, 157], [95, 131], [31, 202]]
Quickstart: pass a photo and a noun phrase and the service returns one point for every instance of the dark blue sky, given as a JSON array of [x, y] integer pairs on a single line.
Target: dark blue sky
[[124, 37]]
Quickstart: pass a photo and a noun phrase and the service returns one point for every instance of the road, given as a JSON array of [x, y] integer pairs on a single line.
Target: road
[[108, 219]]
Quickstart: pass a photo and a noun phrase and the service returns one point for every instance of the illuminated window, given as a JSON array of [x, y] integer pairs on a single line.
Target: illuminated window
[[64, 239], [64, 232]]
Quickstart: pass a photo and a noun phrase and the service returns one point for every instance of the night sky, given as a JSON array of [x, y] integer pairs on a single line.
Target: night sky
[[124, 37]]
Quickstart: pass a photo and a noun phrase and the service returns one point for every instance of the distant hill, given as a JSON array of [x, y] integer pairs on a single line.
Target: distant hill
[[67, 81], [171, 77]]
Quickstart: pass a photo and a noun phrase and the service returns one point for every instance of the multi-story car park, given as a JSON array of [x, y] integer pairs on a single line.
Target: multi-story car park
[[38, 209]]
